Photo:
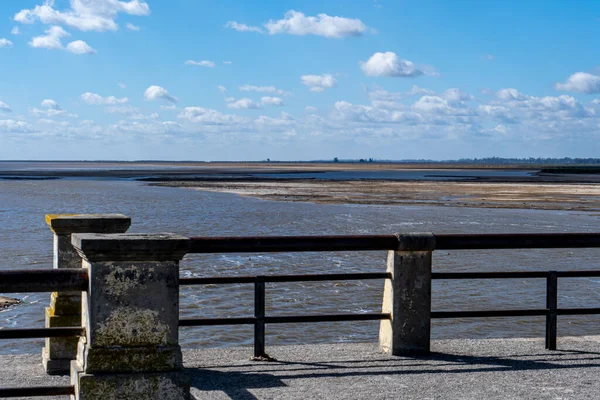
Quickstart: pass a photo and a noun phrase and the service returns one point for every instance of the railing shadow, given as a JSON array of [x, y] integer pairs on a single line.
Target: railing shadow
[[236, 381]]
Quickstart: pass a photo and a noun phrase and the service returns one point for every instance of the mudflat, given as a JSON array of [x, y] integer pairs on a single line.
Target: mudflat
[[528, 195]]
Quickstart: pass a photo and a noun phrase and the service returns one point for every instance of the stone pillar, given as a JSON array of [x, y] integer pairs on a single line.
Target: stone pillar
[[131, 315], [65, 307], [407, 297]]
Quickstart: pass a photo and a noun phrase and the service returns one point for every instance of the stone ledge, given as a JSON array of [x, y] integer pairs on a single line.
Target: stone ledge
[[65, 224], [131, 246]]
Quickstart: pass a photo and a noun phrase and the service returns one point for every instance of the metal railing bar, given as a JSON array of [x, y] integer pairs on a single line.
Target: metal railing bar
[[551, 306], [259, 315], [216, 321], [44, 280], [328, 277], [516, 241], [578, 311], [285, 278], [577, 274], [41, 333], [216, 280], [255, 244], [37, 391], [267, 244], [489, 275], [283, 319], [488, 313]]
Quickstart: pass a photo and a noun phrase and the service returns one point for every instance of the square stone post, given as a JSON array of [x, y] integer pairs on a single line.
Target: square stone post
[[407, 297], [65, 307], [131, 316]]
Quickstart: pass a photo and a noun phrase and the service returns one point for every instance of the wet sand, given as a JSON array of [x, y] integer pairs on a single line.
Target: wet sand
[[542, 195]]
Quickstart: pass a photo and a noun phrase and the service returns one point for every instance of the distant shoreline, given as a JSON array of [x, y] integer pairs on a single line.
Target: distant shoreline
[[356, 183]]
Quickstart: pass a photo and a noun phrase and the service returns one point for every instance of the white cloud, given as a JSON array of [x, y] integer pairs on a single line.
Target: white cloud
[[169, 107], [50, 104], [12, 126], [510, 94], [310, 109], [262, 89], [345, 111], [122, 85], [242, 27], [244, 103], [15, 31], [378, 93], [96, 99], [122, 108], [157, 92], [222, 88], [80, 47], [418, 91], [209, 117], [271, 101], [51, 40], [580, 82], [203, 63], [456, 95], [227, 62], [132, 27], [143, 129], [85, 15], [389, 64], [318, 83], [296, 23], [4, 107], [50, 108], [140, 116], [5, 43]]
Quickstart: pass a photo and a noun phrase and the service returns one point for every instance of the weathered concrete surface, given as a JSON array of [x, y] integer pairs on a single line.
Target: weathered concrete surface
[[65, 307], [131, 315], [407, 298], [131, 246], [66, 224], [456, 369]]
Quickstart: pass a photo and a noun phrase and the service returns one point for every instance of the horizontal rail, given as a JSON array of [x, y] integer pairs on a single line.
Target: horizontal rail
[[266, 244], [488, 275], [578, 311], [513, 313], [216, 321], [43, 280], [513, 274], [281, 319], [516, 241], [37, 391], [284, 319], [40, 333], [284, 278], [488, 313]]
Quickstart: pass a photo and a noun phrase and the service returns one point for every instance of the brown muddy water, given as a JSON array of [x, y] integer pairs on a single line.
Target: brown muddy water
[[26, 243]]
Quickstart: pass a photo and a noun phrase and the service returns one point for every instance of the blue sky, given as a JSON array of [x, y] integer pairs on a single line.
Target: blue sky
[[289, 80]]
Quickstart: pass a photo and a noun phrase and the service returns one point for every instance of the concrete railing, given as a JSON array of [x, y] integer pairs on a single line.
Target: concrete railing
[[65, 307], [129, 310]]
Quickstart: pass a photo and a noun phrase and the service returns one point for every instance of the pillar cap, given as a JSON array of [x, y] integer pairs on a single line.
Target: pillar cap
[[130, 246], [416, 241], [65, 224]]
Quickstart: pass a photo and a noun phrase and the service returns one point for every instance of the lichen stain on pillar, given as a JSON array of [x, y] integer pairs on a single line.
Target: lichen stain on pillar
[[142, 387], [132, 327], [122, 279]]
